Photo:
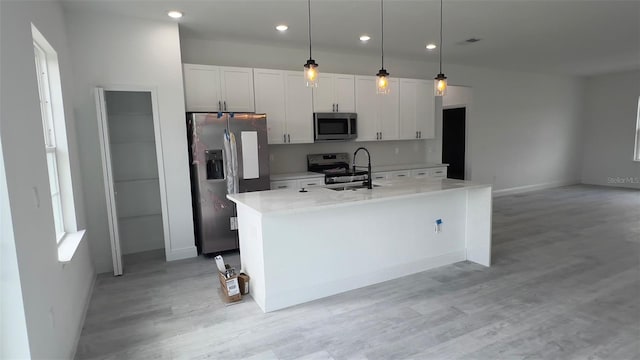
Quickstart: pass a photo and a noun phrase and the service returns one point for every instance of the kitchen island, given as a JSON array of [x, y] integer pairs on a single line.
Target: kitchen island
[[300, 246]]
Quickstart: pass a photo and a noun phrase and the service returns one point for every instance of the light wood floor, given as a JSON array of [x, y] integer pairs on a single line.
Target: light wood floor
[[565, 285]]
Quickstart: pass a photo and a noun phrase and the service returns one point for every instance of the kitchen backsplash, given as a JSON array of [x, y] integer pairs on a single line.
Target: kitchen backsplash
[[293, 158]]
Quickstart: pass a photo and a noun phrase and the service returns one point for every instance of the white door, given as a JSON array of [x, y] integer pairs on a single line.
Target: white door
[[237, 89], [367, 108], [270, 99], [388, 111], [299, 108], [105, 150], [345, 97], [323, 95], [202, 88]]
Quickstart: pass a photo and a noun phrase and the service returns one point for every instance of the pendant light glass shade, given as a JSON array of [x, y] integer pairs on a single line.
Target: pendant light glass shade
[[440, 85], [311, 73], [382, 82], [311, 67]]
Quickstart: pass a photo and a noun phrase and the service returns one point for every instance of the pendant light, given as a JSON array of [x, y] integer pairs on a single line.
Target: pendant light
[[440, 83], [382, 83], [311, 67]]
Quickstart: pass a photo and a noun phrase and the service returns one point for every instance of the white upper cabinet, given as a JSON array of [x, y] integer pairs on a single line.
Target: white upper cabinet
[[270, 99], [299, 108], [417, 109], [335, 93], [202, 87], [237, 89], [377, 114], [218, 88], [283, 96]]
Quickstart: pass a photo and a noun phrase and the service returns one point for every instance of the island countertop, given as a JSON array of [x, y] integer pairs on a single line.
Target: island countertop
[[292, 200]]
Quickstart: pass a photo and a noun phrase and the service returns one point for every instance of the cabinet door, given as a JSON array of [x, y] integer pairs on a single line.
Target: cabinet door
[[323, 95], [284, 184], [237, 89], [439, 173], [367, 108], [299, 108], [408, 107], [311, 182], [388, 111], [345, 97], [402, 174], [201, 87], [270, 99], [425, 109], [420, 173]]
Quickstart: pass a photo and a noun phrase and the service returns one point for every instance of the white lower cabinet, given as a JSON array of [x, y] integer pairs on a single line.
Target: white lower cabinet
[[297, 184], [284, 184], [438, 172]]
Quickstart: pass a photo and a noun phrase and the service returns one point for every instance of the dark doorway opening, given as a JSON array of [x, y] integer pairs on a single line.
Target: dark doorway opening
[[453, 141]]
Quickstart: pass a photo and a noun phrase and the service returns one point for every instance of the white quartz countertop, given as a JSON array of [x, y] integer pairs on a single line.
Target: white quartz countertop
[[374, 168], [291, 200]]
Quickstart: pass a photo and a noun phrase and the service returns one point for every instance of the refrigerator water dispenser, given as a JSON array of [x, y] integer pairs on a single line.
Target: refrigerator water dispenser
[[215, 164]]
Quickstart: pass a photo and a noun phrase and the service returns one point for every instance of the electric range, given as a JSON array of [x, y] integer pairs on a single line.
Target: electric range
[[335, 167]]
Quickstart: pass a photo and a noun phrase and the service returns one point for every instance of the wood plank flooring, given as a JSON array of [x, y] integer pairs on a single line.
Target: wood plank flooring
[[565, 284]]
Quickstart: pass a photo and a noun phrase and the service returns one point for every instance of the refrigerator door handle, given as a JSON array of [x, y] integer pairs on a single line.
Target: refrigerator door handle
[[219, 106]]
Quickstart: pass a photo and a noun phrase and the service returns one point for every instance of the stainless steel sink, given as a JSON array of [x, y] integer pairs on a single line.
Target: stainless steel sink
[[352, 187]]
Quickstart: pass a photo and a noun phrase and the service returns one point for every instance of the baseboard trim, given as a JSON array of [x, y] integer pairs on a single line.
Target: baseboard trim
[[529, 188], [184, 253], [87, 302]]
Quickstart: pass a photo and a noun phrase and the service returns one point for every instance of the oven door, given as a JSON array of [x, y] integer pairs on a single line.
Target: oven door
[[334, 126]]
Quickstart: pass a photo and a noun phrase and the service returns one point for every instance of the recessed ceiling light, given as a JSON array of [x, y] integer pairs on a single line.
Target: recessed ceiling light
[[365, 38], [431, 46], [175, 14], [282, 27]]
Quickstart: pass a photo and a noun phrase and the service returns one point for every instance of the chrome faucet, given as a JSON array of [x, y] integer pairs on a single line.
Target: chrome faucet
[[368, 182]]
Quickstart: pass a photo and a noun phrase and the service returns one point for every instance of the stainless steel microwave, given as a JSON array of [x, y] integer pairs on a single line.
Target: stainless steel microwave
[[335, 126]]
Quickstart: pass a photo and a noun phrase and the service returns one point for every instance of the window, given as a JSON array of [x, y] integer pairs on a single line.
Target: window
[[636, 155], [44, 90], [54, 129]]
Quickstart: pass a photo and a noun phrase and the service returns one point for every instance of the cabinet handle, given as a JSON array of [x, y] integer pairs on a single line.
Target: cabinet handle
[[285, 138], [416, 134], [380, 135], [420, 134], [401, 175], [219, 106], [311, 184], [333, 107], [282, 187], [337, 107], [289, 138]]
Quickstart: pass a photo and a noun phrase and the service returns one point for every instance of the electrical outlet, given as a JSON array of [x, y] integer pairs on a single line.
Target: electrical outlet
[[438, 226]]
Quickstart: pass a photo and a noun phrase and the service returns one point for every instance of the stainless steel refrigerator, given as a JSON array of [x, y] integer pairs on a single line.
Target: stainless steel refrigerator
[[220, 166]]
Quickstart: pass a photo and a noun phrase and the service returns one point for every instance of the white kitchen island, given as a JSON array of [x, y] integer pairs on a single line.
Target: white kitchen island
[[301, 246]]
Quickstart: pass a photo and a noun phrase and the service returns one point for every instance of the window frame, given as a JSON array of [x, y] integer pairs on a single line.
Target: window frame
[[49, 133], [636, 155]]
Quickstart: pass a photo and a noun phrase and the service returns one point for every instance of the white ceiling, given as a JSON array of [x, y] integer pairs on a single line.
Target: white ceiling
[[577, 37]]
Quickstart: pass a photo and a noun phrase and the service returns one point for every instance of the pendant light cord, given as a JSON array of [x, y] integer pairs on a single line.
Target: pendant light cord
[[309, 7], [441, 36], [382, 30]]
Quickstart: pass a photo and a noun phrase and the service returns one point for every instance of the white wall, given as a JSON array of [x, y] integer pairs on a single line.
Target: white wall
[[526, 129], [127, 51], [54, 294], [611, 105], [14, 340]]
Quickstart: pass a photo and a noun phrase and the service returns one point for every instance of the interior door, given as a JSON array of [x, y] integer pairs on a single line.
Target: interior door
[[105, 151], [453, 141]]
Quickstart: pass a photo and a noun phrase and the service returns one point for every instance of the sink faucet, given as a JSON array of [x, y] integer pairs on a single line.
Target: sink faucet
[[368, 182]]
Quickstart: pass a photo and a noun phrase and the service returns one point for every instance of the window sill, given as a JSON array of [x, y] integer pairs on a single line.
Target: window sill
[[69, 244]]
